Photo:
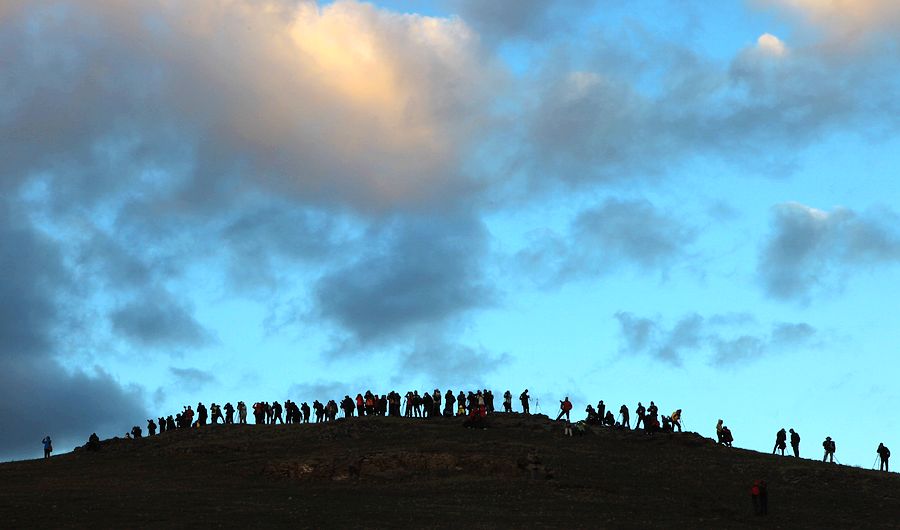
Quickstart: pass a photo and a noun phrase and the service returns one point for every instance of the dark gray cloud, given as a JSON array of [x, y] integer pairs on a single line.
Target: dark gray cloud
[[159, 321], [722, 339], [446, 362], [415, 272], [191, 378], [614, 234], [810, 251], [519, 19], [324, 390], [38, 396]]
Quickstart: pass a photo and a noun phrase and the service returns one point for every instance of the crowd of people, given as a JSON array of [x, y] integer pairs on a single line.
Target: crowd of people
[[474, 406]]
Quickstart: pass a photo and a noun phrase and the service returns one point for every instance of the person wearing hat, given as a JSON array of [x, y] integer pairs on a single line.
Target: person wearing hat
[[830, 447]]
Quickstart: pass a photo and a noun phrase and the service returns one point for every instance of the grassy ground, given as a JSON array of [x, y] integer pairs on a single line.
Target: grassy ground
[[386, 472]]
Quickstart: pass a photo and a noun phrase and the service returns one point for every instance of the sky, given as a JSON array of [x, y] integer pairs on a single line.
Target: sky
[[680, 201]]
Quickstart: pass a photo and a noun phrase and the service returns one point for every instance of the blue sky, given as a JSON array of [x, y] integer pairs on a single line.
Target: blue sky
[[236, 200]]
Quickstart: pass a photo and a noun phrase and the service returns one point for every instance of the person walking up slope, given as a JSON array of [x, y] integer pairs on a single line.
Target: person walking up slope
[[564, 407]]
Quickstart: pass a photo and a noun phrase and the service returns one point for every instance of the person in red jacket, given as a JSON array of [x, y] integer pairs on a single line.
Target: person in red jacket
[[564, 407]]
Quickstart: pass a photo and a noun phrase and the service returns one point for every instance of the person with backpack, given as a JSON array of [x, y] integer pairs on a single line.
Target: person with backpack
[[780, 441], [623, 410], [151, 427], [48, 446], [640, 412], [676, 420], [727, 437], [830, 448], [564, 407], [884, 454], [524, 398], [507, 401], [795, 443]]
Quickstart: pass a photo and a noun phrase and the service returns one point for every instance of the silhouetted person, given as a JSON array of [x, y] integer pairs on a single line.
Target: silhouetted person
[[136, 432], [417, 404], [304, 408], [676, 420], [884, 454], [276, 413], [427, 405], [795, 443], [162, 425], [601, 410], [564, 407], [449, 402], [242, 412], [609, 419], [640, 412], [727, 437], [592, 418], [507, 401], [436, 402], [461, 404], [489, 400], [229, 413], [652, 410], [524, 398], [201, 414], [626, 423], [48, 446], [93, 443], [780, 441], [171, 425], [830, 448], [151, 428], [719, 433], [216, 411]]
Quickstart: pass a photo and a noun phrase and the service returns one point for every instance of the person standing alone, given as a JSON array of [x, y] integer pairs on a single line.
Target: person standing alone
[[48, 446]]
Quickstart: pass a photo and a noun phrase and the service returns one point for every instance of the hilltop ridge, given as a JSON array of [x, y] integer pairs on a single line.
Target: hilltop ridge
[[519, 472]]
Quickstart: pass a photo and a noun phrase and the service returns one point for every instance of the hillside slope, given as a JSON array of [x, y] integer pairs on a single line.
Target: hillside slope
[[376, 472]]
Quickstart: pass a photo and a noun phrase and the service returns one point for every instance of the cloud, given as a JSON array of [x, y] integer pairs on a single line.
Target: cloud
[[721, 338], [341, 103], [324, 390], [847, 20], [770, 44], [522, 19], [38, 396], [159, 321], [444, 361], [611, 235], [609, 115], [191, 378], [810, 250], [417, 272]]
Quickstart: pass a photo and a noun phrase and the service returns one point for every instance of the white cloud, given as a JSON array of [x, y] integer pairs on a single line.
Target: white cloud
[[770, 44], [342, 102]]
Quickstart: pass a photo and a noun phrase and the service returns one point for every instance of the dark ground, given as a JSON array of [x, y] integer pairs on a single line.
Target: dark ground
[[386, 472]]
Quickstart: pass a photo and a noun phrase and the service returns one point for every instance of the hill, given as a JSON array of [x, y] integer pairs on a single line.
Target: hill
[[391, 472]]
